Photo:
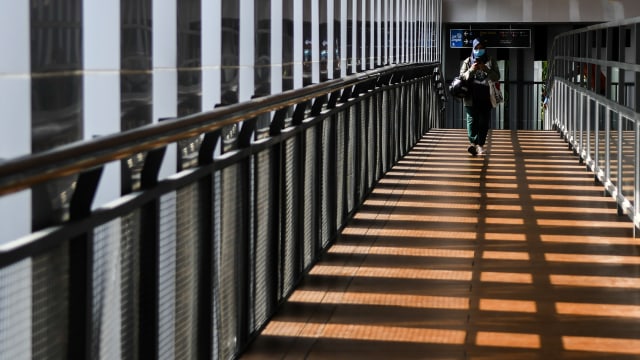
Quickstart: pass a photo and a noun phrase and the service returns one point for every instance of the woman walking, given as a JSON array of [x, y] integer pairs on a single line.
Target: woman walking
[[478, 69]]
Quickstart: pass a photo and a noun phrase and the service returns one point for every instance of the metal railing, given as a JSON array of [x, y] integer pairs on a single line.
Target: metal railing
[[193, 266], [595, 105]]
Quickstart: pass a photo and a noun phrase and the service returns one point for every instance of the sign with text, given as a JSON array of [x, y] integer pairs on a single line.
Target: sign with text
[[493, 38]]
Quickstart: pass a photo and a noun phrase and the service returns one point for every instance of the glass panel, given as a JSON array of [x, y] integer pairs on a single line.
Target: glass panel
[[307, 54], [335, 17], [263, 66], [56, 96], [230, 63], [189, 50], [352, 38], [230, 51], [189, 75], [135, 79], [56, 91], [287, 45], [324, 45], [135, 63], [262, 47]]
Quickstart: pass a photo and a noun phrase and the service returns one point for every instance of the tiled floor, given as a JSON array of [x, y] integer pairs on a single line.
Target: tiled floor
[[512, 255]]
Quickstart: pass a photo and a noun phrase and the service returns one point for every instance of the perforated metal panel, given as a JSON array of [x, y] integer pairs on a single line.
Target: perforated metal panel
[[370, 142], [386, 138], [309, 193], [130, 284], [226, 274], [167, 275], [341, 175], [271, 213], [263, 249], [290, 221], [50, 304], [106, 308], [15, 311], [377, 112], [325, 190], [218, 341], [352, 142], [361, 144], [187, 250]]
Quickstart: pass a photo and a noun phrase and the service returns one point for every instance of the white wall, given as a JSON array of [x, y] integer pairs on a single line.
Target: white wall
[[471, 11], [15, 111]]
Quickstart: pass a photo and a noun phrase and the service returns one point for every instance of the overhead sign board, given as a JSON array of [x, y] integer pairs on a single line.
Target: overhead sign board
[[493, 38]]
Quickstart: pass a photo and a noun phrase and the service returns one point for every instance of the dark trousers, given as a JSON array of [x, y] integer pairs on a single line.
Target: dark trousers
[[478, 122]]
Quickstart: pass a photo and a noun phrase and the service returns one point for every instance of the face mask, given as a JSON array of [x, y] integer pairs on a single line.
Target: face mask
[[478, 53]]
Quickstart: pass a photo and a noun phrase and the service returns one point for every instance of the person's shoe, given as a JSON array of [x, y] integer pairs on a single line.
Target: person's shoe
[[480, 150], [472, 150]]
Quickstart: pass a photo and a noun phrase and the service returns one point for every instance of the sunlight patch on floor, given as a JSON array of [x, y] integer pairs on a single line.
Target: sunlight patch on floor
[[511, 340], [604, 345]]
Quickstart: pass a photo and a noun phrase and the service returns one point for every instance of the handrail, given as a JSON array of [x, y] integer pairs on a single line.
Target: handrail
[[23, 172], [601, 26], [216, 248], [597, 114]]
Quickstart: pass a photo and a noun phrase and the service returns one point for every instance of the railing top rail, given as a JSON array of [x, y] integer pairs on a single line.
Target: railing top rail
[[23, 172], [595, 58], [601, 26], [622, 110]]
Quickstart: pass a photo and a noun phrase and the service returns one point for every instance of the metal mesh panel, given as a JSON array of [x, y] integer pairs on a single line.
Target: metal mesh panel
[[187, 273], [228, 216], [384, 129], [428, 92], [351, 158], [403, 120], [361, 171], [130, 284], [106, 307], [340, 162], [377, 111], [371, 141], [404, 115], [411, 115], [50, 303], [263, 276], [290, 226], [250, 231], [167, 275], [392, 106], [309, 193], [15, 311], [325, 192], [217, 341]]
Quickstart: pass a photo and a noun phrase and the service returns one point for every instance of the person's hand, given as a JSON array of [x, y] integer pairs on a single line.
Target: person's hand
[[478, 66]]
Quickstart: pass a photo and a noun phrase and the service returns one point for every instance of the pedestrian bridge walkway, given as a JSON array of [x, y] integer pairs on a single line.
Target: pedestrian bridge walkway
[[514, 255]]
